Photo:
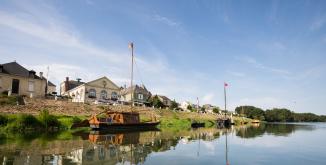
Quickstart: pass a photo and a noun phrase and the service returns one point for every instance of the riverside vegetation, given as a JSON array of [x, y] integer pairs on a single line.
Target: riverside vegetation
[[278, 115], [50, 115]]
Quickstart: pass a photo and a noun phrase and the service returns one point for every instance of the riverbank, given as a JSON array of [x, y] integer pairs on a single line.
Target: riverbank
[[64, 114]]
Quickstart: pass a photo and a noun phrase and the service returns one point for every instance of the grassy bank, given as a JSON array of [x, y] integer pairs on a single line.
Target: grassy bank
[[41, 122]]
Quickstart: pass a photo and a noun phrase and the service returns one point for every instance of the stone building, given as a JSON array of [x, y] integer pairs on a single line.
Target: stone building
[[139, 94], [102, 89], [17, 80]]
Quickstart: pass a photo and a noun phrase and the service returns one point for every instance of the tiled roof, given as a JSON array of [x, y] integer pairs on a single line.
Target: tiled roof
[[136, 89], [13, 68]]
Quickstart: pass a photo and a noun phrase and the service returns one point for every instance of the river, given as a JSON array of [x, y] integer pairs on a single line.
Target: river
[[264, 144]]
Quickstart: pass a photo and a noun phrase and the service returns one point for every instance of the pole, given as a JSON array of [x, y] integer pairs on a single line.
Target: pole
[[226, 148], [197, 105], [224, 100], [131, 45]]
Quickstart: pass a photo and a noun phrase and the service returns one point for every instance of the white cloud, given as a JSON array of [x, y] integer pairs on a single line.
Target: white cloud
[[318, 23], [166, 20], [40, 36], [259, 65], [237, 74], [208, 98]]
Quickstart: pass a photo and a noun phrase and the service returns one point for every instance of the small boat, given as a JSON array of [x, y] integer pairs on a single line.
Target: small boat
[[197, 124], [255, 121], [121, 121]]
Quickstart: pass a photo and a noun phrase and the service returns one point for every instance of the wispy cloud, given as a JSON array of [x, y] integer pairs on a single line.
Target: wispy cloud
[[48, 36], [208, 98], [318, 23], [253, 62], [237, 74], [166, 20]]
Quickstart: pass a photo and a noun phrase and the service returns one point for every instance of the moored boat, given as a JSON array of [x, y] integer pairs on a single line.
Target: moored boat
[[121, 121]]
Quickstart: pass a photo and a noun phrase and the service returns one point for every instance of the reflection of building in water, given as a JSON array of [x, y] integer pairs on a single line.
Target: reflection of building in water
[[99, 148], [121, 148]]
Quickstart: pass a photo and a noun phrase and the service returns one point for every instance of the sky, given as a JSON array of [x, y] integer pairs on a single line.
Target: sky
[[271, 53]]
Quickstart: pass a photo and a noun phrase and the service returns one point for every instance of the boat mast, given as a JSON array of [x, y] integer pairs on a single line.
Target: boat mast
[[131, 46]]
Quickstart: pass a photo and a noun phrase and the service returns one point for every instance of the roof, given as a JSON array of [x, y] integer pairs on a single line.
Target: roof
[[136, 89], [164, 97], [104, 77], [13, 68], [73, 84]]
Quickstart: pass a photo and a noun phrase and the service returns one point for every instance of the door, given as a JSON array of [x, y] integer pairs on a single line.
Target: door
[[15, 86]]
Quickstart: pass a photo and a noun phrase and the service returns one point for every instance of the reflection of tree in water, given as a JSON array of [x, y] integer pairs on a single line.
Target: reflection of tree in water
[[272, 129], [251, 131]]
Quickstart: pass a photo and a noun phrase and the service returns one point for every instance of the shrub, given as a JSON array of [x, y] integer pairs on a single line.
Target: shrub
[[24, 122], [48, 120], [8, 100], [3, 120]]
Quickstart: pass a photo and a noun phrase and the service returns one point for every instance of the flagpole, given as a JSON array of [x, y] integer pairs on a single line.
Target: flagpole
[[225, 100]]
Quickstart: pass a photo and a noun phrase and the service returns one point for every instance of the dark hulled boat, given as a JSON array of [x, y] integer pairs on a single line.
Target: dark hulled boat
[[121, 121]]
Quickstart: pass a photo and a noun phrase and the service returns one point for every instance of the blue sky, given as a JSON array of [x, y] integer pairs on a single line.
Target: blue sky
[[272, 53]]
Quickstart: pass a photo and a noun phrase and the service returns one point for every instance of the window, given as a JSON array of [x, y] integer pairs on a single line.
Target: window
[[81, 93], [31, 86], [104, 94], [92, 93], [140, 96], [114, 95]]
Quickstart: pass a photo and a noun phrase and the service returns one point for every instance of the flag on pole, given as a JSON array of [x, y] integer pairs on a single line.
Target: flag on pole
[[131, 45], [225, 84]]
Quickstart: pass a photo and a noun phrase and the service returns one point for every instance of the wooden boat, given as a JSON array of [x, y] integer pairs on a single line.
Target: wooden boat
[[121, 121]]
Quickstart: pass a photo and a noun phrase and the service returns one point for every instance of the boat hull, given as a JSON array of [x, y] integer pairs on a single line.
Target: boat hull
[[118, 126]]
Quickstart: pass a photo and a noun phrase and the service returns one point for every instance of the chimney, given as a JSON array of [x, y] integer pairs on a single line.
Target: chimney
[[67, 84], [41, 75], [31, 73]]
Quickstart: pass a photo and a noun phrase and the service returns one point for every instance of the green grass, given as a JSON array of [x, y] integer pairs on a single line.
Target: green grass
[[42, 122], [8, 100]]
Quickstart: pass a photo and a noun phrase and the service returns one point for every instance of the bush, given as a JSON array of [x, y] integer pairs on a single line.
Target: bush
[[48, 120], [3, 120], [24, 122], [8, 100], [216, 110]]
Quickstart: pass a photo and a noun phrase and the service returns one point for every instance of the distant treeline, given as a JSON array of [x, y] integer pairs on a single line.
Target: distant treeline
[[278, 115]]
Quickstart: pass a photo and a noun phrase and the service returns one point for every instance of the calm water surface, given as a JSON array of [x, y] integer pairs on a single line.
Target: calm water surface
[[266, 144]]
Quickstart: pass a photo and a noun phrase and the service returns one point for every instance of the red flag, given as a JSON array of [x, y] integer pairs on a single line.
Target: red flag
[[131, 45], [225, 84]]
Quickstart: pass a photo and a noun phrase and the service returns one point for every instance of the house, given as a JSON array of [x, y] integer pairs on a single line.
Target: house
[[101, 89], [184, 106], [17, 80], [139, 93], [165, 100]]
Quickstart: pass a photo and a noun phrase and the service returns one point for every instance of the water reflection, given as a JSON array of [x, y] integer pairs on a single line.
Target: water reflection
[[126, 147], [279, 129]]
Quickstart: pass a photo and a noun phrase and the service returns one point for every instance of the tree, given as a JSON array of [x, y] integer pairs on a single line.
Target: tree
[[279, 115], [156, 102], [251, 112], [189, 107], [173, 105], [216, 109]]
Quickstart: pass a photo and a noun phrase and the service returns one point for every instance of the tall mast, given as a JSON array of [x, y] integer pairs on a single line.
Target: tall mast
[[131, 46], [225, 84]]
